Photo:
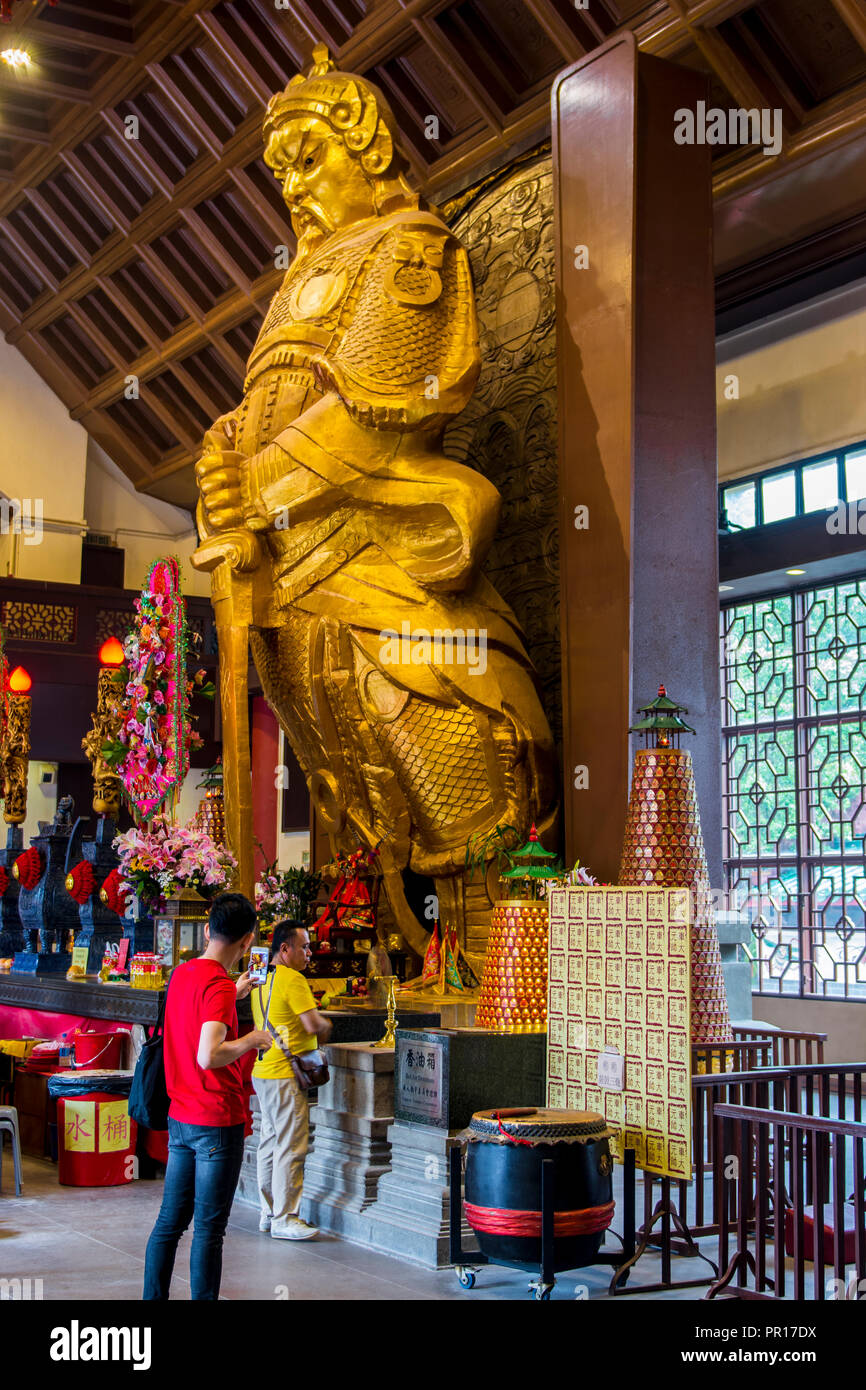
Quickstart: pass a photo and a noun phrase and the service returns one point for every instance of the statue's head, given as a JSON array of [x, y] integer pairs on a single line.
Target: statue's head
[[332, 142]]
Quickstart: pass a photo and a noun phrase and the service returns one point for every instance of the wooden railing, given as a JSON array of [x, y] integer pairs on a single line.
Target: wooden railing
[[789, 1047], [821, 1089], [793, 1185]]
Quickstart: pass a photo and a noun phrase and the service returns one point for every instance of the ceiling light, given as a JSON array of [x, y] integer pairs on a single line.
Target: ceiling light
[[16, 57], [795, 571], [725, 588]]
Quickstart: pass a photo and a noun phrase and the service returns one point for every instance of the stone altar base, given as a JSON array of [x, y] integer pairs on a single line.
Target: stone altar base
[[350, 1149], [410, 1217]]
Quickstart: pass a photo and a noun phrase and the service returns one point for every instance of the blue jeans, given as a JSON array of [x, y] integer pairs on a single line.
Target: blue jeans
[[204, 1164]]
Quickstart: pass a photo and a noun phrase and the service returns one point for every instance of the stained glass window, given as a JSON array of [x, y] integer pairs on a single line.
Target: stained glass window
[[794, 785]]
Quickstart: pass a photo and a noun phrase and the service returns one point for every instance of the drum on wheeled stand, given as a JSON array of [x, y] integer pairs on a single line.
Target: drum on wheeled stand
[[539, 1192]]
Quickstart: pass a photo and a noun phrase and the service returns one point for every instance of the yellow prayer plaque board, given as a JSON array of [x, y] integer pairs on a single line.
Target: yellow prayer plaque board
[[619, 978], [79, 958]]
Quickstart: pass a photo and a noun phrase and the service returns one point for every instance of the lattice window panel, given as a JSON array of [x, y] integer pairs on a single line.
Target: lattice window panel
[[794, 785]]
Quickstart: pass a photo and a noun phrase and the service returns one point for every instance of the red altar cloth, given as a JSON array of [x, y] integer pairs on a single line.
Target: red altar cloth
[[35, 1023]]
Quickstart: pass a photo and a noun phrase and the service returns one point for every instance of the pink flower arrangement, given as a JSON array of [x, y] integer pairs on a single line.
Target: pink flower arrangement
[[153, 747], [160, 862]]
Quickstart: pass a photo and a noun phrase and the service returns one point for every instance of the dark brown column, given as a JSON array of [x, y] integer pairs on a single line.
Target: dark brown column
[[636, 432]]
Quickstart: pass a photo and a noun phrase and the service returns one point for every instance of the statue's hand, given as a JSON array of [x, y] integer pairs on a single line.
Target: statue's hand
[[218, 474]]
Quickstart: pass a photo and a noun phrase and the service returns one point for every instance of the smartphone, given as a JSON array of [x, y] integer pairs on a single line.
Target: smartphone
[[258, 966]]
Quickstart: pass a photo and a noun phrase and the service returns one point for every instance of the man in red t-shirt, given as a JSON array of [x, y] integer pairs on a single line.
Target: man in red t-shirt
[[206, 1116]]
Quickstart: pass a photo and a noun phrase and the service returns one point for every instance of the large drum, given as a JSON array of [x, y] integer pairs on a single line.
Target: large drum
[[503, 1184]]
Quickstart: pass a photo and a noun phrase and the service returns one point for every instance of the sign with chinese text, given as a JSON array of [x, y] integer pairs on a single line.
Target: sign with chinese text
[[420, 1080]]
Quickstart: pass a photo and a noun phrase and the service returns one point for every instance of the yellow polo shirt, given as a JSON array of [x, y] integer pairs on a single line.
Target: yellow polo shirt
[[291, 996]]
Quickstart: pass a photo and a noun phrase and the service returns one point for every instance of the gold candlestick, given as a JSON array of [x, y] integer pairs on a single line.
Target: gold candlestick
[[106, 727], [388, 1040]]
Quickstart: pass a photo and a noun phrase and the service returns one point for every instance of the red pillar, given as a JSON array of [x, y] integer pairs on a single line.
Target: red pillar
[[265, 762]]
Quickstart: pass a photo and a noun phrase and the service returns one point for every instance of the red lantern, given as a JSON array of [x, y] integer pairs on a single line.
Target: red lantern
[[114, 892], [28, 868], [80, 881]]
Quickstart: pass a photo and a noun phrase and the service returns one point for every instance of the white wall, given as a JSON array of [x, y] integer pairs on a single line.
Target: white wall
[[41, 800], [844, 1022], [142, 526], [802, 384], [43, 457]]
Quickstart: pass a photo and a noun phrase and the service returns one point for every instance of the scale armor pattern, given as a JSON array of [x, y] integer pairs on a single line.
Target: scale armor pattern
[[396, 344], [439, 760]]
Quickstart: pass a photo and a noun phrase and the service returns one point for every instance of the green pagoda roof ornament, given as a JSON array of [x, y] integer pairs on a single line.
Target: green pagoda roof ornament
[[538, 860], [662, 720]]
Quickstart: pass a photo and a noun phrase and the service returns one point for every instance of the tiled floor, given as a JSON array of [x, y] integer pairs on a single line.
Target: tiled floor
[[88, 1243]]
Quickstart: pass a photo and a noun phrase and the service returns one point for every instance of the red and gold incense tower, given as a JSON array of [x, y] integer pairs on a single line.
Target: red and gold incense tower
[[664, 846], [514, 988]]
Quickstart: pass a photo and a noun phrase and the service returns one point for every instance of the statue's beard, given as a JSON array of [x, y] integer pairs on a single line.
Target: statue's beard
[[310, 221]]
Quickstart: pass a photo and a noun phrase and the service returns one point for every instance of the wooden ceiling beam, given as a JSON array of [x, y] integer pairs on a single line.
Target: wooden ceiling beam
[[25, 251], [461, 72], [199, 393], [139, 155], [160, 40], [853, 15], [65, 36], [235, 59], [95, 191], [60, 228], [232, 359], [189, 338], [185, 108], [162, 273], [121, 448], [202, 180], [129, 312], [556, 28], [282, 230], [664, 32], [89, 328], [218, 252], [44, 87], [724, 63]]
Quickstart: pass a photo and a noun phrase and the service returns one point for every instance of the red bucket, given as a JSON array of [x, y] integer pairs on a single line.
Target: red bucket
[[102, 1050], [96, 1141]]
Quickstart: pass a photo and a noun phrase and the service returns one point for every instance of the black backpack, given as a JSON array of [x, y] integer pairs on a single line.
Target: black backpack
[[148, 1097]]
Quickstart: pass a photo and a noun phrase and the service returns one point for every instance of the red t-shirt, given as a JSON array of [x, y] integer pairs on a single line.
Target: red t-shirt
[[201, 992]]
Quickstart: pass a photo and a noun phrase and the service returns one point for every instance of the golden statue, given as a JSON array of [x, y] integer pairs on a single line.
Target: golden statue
[[347, 547], [106, 724]]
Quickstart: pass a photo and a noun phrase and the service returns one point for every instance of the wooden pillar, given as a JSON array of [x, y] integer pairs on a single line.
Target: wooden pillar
[[636, 380]]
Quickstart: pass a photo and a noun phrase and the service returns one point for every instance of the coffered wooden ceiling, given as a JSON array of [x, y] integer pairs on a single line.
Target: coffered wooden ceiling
[[154, 257]]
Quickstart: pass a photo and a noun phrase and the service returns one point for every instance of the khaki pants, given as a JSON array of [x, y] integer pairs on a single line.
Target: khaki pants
[[282, 1147]]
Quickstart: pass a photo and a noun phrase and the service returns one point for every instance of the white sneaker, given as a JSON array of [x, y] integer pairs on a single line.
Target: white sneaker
[[295, 1229], [265, 1223]]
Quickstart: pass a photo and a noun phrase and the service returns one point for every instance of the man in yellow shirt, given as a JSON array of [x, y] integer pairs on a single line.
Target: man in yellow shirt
[[287, 1001]]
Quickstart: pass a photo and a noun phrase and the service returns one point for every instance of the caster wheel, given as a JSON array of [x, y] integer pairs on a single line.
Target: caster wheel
[[466, 1278]]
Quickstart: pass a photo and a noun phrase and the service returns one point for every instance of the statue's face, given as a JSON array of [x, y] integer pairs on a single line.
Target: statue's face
[[324, 186]]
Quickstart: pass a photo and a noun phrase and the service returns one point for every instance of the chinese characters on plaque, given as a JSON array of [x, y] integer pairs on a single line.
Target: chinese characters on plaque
[[618, 998], [419, 1080], [96, 1126]]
